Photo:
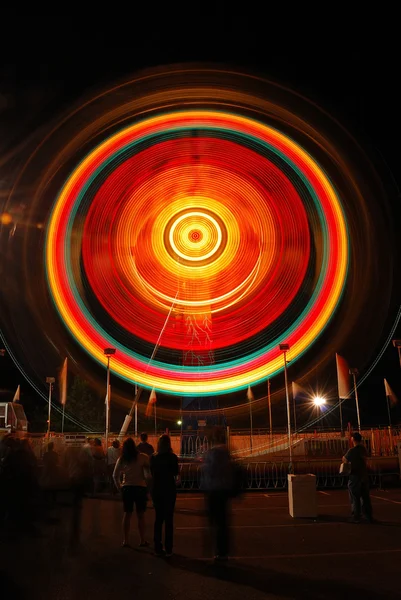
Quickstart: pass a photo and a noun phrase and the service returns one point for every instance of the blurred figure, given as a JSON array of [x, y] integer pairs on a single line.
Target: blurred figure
[[144, 447], [164, 469], [99, 464], [358, 483], [19, 482], [218, 480], [88, 445], [113, 454], [78, 466], [130, 475], [50, 477]]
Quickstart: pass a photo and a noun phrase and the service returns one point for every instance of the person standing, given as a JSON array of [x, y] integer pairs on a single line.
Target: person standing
[[99, 465], [358, 483], [218, 481], [164, 470], [50, 474], [113, 454], [130, 475], [144, 446]]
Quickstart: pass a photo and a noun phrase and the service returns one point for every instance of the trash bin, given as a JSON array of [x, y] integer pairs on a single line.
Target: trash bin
[[302, 495]]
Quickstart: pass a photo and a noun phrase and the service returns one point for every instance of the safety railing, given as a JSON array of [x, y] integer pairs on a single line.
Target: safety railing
[[274, 475]]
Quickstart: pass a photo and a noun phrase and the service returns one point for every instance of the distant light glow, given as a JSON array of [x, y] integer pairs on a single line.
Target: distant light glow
[[319, 400]]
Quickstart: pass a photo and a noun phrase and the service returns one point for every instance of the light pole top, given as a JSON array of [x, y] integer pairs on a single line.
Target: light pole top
[[397, 343], [353, 372], [284, 347], [50, 380], [109, 351]]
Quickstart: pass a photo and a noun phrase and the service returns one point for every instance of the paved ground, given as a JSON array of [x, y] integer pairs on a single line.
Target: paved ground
[[274, 556]]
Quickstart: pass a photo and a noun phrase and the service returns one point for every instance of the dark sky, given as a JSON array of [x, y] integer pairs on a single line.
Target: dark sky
[[352, 71]]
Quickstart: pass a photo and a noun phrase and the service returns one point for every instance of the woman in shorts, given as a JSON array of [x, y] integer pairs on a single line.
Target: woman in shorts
[[130, 474]]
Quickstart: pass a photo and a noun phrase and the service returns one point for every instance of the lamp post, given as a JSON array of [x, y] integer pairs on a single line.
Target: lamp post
[[50, 381], [397, 344], [270, 410], [108, 352], [284, 349], [354, 373], [136, 413]]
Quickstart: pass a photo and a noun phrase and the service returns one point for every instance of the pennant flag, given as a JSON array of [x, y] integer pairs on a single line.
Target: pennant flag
[[106, 398], [298, 391], [344, 390], [152, 400], [16, 395], [249, 394], [63, 383], [389, 393]]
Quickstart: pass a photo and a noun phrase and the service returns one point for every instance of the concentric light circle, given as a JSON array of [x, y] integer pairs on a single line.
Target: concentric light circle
[[198, 233]]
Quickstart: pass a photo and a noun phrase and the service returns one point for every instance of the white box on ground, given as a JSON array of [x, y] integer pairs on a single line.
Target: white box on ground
[[302, 495]]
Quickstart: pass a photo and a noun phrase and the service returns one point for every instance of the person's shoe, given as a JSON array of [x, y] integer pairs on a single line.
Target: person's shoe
[[168, 554], [161, 554], [354, 520], [144, 545], [125, 545]]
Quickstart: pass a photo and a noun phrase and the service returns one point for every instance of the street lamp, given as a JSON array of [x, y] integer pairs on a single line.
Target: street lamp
[[318, 401], [108, 352], [354, 373], [50, 381], [397, 344], [284, 349]]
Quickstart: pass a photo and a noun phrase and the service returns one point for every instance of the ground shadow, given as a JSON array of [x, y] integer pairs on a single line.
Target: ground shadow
[[269, 581]]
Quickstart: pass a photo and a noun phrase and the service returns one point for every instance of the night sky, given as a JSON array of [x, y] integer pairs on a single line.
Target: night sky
[[49, 63]]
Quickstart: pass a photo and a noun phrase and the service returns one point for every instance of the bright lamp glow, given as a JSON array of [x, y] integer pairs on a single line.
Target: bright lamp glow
[[319, 400], [179, 422]]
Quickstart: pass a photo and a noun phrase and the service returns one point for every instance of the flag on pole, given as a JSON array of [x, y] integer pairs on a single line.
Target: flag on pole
[[152, 400], [344, 389], [63, 383], [298, 390], [16, 395], [389, 393], [249, 394], [106, 398]]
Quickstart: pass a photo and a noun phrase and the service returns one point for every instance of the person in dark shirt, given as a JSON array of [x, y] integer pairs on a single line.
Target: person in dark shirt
[[144, 447], [164, 469], [358, 483], [218, 479]]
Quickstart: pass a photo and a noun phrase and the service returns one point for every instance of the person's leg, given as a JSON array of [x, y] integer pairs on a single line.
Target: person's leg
[[128, 503], [126, 527], [222, 521], [354, 489], [366, 503], [169, 522], [157, 531], [140, 501]]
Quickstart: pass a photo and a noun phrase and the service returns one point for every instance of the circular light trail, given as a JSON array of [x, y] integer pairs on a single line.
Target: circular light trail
[[197, 216]]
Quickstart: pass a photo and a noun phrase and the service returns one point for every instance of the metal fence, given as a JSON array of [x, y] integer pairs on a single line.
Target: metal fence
[[305, 446], [274, 475]]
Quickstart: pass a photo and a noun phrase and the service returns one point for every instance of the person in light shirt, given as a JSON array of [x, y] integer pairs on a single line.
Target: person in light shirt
[[130, 475], [113, 454]]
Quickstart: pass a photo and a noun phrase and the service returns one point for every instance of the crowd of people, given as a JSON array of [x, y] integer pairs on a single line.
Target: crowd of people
[[142, 475]]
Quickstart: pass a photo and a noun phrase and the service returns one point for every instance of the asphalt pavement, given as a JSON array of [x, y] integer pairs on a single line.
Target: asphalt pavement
[[71, 556]]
